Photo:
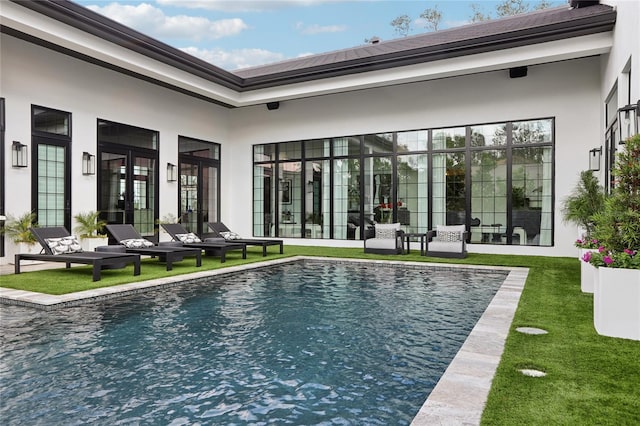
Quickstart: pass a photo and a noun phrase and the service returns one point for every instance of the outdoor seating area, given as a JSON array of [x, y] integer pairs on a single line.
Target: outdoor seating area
[[221, 230], [133, 242], [217, 247], [58, 245]]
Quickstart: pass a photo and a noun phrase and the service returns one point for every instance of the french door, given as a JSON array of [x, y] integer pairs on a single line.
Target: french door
[[128, 190], [198, 194]]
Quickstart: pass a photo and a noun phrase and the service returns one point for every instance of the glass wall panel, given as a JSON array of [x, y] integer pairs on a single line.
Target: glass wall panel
[[535, 131], [412, 141], [413, 192], [290, 150], [263, 200], [51, 179], [317, 148], [51, 121], [378, 189], [346, 146], [532, 196], [448, 189], [488, 196], [317, 199], [346, 199], [489, 135], [189, 173], [449, 138], [264, 153], [290, 199], [381, 143]]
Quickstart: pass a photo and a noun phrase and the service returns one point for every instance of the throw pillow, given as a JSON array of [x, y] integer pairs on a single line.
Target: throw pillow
[[387, 232], [448, 236], [188, 238], [230, 235], [64, 245], [136, 243]]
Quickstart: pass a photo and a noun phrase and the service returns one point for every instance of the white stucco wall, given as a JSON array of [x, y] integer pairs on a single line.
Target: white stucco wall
[[571, 91], [624, 55], [32, 75], [568, 91]]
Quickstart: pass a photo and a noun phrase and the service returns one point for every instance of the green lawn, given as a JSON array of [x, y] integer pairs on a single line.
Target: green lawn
[[590, 379]]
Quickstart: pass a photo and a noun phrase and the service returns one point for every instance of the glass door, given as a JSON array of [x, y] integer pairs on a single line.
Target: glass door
[[128, 190], [198, 195]]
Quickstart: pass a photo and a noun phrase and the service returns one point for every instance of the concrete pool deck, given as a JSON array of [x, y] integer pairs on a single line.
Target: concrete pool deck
[[461, 393]]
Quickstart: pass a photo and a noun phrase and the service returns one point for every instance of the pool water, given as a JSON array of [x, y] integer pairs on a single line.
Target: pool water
[[302, 343]]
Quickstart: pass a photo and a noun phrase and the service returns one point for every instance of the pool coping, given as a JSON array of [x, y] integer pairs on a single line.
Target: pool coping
[[460, 395]]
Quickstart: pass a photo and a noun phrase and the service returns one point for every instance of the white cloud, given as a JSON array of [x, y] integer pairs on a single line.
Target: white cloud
[[235, 59], [239, 5], [153, 21], [318, 29]]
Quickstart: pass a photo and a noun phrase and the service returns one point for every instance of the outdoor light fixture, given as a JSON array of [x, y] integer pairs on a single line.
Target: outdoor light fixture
[[19, 157], [88, 164], [172, 172], [594, 159], [629, 121]]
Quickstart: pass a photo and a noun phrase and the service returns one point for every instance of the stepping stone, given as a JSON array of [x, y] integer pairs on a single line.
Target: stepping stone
[[531, 330], [533, 373]]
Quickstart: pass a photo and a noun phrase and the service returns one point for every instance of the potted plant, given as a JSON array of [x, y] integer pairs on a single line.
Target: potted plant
[[17, 229], [617, 292], [89, 228], [579, 208]]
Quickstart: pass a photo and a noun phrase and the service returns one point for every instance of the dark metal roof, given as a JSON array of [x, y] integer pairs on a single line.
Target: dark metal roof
[[520, 30]]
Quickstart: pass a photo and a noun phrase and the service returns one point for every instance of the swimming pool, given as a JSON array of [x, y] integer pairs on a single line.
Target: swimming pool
[[305, 343]]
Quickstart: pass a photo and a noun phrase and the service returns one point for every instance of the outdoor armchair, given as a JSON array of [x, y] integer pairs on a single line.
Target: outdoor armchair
[[447, 241], [387, 239]]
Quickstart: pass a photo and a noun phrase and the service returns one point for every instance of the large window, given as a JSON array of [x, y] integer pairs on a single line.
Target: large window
[[496, 179], [51, 136]]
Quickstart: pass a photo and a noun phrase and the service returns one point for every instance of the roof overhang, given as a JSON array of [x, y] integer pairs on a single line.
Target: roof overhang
[[76, 31]]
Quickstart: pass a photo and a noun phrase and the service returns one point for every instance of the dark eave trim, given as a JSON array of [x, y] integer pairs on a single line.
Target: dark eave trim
[[576, 28], [100, 26], [48, 45], [93, 23]]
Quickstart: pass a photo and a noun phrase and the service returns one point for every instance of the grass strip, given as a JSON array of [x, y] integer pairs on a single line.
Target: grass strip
[[591, 379]]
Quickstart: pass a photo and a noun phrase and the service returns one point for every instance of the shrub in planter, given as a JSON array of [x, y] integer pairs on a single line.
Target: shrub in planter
[[584, 202], [17, 228]]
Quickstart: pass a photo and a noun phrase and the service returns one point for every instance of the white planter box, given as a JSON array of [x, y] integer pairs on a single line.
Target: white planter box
[[588, 273], [90, 244], [19, 248], [616, 303]]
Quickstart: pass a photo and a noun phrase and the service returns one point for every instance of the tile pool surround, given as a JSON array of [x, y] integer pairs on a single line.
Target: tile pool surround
[[459, 396]]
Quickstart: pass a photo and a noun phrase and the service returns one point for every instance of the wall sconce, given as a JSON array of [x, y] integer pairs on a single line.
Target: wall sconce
[[88, 164], [172, 172], [594, 159], [629, 121], [19, 155]]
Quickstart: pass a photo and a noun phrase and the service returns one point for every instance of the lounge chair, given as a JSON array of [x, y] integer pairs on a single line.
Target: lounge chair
[[211, 246], [447, 241], [220, 230], [58, 245], [387, 239], [133, 242]]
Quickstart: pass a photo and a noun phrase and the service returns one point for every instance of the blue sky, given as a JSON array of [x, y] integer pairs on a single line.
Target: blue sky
[[236, 34]]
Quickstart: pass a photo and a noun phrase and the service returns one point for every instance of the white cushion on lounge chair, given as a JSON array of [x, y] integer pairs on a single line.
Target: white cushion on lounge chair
[[136, 243], [64, 245], [188, 238]]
